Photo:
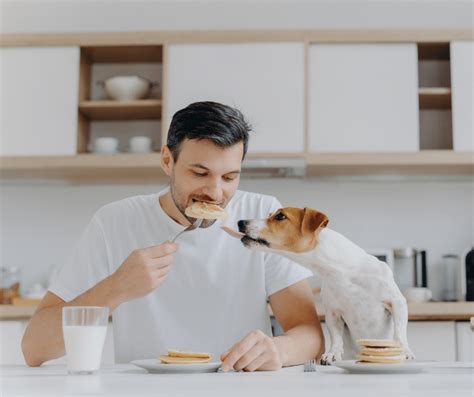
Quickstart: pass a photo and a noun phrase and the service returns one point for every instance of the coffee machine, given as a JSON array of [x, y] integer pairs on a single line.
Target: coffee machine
[[467, 275]]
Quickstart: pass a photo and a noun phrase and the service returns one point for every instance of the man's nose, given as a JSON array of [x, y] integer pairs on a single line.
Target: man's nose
[[214, 191]]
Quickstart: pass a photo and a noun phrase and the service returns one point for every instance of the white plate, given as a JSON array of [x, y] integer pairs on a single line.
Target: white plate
[[408, 367], [155, 367]]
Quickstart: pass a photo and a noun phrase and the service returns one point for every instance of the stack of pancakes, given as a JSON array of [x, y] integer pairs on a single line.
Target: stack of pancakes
[[380, 351], [203, 210], [180, 357]]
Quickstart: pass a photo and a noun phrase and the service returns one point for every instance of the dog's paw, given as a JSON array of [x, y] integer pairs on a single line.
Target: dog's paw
[[330, 357], [409, 355]]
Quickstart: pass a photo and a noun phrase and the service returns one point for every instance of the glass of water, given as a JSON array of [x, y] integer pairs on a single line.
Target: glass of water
[[84, 330]]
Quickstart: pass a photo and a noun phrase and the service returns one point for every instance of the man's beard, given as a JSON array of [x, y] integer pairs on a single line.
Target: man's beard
[[205, 223]]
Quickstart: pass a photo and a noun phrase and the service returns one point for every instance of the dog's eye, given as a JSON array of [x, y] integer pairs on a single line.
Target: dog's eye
[[280, 217]]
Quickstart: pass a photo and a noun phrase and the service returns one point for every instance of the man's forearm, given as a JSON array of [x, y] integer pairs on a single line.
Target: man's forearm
[[43, 338], [299, 344]]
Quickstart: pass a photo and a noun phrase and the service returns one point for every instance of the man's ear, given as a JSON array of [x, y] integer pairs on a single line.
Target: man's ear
[[313, 221], [166, 160]]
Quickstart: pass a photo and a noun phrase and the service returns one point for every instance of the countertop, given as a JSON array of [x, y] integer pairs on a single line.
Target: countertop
[[128, 380], [427, 311]]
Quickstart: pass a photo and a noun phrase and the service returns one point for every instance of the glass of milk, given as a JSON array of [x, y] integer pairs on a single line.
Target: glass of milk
[[84, 330]]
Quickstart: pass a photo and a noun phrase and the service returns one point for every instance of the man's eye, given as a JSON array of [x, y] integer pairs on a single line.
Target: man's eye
[[280, 217], [229, 178], [198, 174]]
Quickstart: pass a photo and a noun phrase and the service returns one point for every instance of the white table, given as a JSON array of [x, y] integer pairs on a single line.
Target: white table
[[128, 380]]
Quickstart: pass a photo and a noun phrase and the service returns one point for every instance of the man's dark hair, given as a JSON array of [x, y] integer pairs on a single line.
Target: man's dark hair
[[221, 124]]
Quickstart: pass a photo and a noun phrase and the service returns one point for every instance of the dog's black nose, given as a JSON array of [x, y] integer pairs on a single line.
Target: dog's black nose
[[242, 225]]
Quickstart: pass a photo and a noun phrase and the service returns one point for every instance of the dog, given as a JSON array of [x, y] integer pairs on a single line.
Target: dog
[[357, 289]]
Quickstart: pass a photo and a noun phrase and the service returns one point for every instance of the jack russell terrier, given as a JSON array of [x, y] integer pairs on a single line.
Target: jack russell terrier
[[357, 289]]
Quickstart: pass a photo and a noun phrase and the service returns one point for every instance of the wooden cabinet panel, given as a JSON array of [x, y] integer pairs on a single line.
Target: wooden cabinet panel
[[462, 81], [363, 98], [38, 102], [264, 80]]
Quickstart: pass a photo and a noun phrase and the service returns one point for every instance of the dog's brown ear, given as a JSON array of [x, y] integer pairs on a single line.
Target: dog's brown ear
[[313, 220]]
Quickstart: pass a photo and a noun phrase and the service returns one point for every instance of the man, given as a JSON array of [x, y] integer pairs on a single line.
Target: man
[[205, 293]]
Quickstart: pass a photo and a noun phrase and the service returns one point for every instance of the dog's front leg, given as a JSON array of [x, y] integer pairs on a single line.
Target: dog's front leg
[[399, 311], [335, 325]]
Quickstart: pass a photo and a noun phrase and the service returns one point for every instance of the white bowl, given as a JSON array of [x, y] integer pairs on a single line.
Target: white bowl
[[126, 88]]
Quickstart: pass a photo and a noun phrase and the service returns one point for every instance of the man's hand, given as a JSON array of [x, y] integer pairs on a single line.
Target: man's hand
[[143, 271], [256, 352]]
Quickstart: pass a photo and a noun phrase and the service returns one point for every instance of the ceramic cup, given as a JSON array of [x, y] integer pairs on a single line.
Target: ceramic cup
[[105, 145], [417, 294], [140, 144]]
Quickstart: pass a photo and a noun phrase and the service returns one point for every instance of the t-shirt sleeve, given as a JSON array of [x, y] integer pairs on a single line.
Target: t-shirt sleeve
[[281, 272], [86, 266]]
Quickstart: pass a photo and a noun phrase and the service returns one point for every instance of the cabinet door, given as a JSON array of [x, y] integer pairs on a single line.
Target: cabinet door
[[263, 80], [464, 342], [462, 82], [432, 340], [38, 102], [363, 98]]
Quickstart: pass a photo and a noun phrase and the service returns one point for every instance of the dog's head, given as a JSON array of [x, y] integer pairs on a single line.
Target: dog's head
[[288, 229]]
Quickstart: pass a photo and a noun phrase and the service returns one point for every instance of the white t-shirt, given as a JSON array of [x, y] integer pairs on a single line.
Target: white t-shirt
[[214, 295]]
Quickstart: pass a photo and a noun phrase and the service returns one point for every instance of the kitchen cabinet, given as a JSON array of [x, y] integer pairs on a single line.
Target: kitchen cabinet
[[462, 82], [264, 80], [38, 102], [465, 341], [363, 98], [11, 333], [432, 340]]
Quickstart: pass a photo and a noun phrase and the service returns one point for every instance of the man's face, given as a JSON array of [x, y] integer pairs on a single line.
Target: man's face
[[205, 172]]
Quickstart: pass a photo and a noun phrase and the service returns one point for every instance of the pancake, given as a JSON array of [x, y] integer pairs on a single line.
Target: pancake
[[378, 343], [203, 210], [381, 351], [183, 360], [178, 353], [363, 359]]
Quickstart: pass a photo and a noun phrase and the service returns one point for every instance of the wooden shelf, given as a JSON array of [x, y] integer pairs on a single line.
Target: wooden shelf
[[90, 167], [434, 97], [143, 109], [123, 54], [429, 162], [146, 167]]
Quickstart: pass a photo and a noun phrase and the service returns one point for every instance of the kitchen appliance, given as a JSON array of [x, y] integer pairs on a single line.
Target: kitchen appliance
[[410, 268], [451, 274], [127, 88], [466, 290]]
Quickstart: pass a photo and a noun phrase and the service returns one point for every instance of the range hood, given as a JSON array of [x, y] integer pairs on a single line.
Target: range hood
[[263, 167]]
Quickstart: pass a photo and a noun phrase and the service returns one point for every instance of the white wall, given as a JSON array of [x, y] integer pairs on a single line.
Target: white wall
[[144, 15], [42, 221]]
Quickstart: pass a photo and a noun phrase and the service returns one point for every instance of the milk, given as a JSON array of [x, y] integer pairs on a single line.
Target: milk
[[84, 344]]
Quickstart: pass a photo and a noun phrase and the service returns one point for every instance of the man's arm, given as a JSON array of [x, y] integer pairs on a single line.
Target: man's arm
[[303, 339], [295, 311], [142, 272]]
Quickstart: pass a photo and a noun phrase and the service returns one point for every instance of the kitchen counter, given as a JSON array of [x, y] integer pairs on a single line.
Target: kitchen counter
[[128, 380], [427, 311]]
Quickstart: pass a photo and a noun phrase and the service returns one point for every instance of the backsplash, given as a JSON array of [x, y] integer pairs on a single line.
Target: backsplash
[[41, 221]]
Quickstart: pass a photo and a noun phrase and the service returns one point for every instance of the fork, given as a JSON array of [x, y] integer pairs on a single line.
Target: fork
[[310, 366], [192, 226]]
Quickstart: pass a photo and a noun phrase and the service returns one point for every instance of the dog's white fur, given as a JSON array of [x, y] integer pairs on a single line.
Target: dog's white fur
[[357, 290]]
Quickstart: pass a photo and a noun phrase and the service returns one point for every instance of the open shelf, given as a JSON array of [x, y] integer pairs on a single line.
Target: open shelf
[[142, 109], [434, 97], [434, 162]]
